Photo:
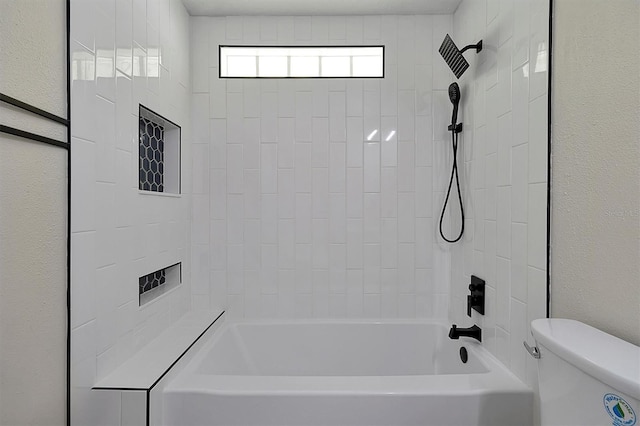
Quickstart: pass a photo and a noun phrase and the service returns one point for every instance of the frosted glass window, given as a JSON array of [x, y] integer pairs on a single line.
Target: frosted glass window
[[301, 61], [305, 66], [272, 66], [242, 66], [367, 66], [336, 66]]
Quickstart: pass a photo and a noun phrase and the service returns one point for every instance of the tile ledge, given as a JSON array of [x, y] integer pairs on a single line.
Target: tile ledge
[[147, 366]]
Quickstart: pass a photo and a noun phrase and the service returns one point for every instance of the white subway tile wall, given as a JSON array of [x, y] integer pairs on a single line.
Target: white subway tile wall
[[505, 105], [124, 53], [327, 183]]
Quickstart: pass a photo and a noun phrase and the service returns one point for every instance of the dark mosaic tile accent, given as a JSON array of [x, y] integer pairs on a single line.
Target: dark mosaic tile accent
[[152, 280], [151, 156]]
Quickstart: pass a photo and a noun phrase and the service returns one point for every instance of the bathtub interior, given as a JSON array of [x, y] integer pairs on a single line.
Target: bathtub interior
[[321, 373], [331, 349]]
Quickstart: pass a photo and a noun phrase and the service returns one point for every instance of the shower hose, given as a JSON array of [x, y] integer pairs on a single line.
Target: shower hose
[[454, 173]]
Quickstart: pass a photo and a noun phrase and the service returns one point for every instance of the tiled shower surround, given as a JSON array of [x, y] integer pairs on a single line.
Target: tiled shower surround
[[298, 214], [504, 149], [313, 197], [304, 197]]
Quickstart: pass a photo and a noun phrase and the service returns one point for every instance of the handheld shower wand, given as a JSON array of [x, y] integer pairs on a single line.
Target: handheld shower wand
[[458, 65], [454, 97], [454, 128]]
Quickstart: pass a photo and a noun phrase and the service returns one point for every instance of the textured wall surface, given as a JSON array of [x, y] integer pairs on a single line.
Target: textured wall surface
[[124, 53], [33, 217], [33, 297], [312, 197], [595, 263], [504, 143], [33, 38]]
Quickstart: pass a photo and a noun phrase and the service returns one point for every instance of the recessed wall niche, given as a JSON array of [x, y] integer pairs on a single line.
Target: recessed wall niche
[[156, 283], [159, 153]]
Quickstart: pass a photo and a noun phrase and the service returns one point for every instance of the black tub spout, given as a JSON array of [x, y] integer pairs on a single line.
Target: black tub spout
[[475, 332]]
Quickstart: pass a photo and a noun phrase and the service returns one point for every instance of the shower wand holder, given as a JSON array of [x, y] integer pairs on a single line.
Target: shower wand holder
[[456, 128]]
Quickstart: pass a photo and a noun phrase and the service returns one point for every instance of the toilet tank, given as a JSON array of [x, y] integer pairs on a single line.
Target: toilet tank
[[586, 377]]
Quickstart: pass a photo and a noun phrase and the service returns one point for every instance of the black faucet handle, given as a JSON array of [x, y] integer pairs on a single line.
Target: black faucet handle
[[476, 287], [476, 300]]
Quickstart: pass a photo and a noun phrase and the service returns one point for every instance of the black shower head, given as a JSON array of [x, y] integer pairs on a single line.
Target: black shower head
[[453, 56]]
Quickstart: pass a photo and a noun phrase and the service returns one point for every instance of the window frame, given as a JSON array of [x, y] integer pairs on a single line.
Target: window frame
[[257, 46]]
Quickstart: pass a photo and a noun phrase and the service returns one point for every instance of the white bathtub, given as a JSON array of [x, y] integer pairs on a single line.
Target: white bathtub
[[343, 373]]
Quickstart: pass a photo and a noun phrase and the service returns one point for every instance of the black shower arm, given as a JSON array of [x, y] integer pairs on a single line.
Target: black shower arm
[[478, 47]]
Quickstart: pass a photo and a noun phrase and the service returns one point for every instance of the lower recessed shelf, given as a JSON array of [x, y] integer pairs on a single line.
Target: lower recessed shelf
[[154, 284]]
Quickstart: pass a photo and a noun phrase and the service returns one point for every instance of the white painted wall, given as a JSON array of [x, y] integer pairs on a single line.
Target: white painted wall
[[504, 143], [595, 256], [296, 213], [33, 217], [119, 234]]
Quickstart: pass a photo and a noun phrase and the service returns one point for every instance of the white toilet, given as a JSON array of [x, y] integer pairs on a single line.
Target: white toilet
[[587, 377]]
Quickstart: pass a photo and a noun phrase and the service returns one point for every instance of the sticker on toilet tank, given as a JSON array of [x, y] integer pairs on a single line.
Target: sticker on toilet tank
[[619, 410]]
